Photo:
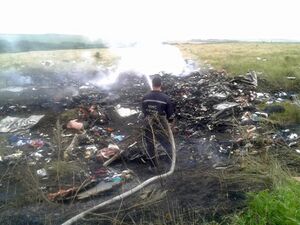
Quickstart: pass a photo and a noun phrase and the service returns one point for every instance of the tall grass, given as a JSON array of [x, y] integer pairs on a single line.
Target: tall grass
[[291, 114], [279, 206], [274, 61]]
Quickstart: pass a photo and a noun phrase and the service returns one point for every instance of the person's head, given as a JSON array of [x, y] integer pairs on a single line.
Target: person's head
[[156, 83]]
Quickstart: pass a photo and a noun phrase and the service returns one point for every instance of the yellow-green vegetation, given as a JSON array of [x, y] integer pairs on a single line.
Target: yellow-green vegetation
[[68, 115], [280, 206], [3, 142], [61, 59], [272, 61], [277, 206], [290, 116]]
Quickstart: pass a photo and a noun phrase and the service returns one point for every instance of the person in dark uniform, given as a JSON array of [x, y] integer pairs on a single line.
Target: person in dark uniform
[[158, 111]]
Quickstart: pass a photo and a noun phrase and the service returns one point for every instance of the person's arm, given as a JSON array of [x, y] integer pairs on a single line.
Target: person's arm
[[143, 107], [171, 116], [170, 111]]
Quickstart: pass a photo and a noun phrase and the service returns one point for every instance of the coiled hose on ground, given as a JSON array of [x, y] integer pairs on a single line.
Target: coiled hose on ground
[[133, 190]]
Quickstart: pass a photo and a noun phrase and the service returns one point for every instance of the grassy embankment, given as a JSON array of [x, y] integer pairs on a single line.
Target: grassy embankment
[[280, 205], [272, 61]]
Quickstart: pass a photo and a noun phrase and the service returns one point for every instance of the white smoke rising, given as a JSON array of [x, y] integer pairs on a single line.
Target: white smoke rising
[[13, 77], [151, 59], [145, 60]]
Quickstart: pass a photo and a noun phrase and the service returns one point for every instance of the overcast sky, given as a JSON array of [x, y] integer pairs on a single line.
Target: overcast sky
[[130, 20]]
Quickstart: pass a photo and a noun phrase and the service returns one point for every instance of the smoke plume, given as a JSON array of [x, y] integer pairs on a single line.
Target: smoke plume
[[144, 60]]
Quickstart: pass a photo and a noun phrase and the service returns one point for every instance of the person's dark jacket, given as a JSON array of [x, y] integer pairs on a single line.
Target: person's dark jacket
[[158, 103]]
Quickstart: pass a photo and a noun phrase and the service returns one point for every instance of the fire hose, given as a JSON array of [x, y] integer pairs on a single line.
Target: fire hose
[[133, 190]]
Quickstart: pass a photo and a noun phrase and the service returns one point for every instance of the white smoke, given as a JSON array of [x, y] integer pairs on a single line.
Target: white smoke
[[151, 59], [144, 60]]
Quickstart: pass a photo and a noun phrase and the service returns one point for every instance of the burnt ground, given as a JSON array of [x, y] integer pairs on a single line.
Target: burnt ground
[[209, 182]]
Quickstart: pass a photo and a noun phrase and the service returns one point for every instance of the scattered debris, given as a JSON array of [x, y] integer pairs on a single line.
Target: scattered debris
[[118, 137], [216, 112], [62, 194], [287, 137], [19, 140], [107, 153], [105, 185]]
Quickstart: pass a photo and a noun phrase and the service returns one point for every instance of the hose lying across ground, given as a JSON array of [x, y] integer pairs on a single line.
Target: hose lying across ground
[[135, 189]]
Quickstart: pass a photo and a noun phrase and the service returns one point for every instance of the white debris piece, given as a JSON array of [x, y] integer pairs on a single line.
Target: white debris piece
[[16, 155], [37, 155], [125, 112], [84, 87], [13, 124], [218, 95], [42, 172], [91, 148], [225, 105], [293, 137], [291, 78], [113, 146]]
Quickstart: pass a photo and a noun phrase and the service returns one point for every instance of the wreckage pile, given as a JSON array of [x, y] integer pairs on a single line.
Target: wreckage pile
[[210, 101], [210, 107], [217, 108]]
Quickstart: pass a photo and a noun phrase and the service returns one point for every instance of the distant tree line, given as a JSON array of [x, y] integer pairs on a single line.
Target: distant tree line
[[42, 44]]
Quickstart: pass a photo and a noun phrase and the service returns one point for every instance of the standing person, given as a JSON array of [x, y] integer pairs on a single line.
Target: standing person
[[158, 111]]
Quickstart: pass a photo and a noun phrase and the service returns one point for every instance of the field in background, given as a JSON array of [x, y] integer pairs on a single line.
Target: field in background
[[44, 42], [272, 61], [59, 58], [40, 64]]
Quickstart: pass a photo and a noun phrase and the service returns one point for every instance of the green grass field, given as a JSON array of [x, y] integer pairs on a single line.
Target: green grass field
[[280, 205], [272, 61]]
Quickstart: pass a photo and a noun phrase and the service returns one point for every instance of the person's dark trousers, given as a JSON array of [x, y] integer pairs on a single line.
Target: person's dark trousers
[[155, 129]]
